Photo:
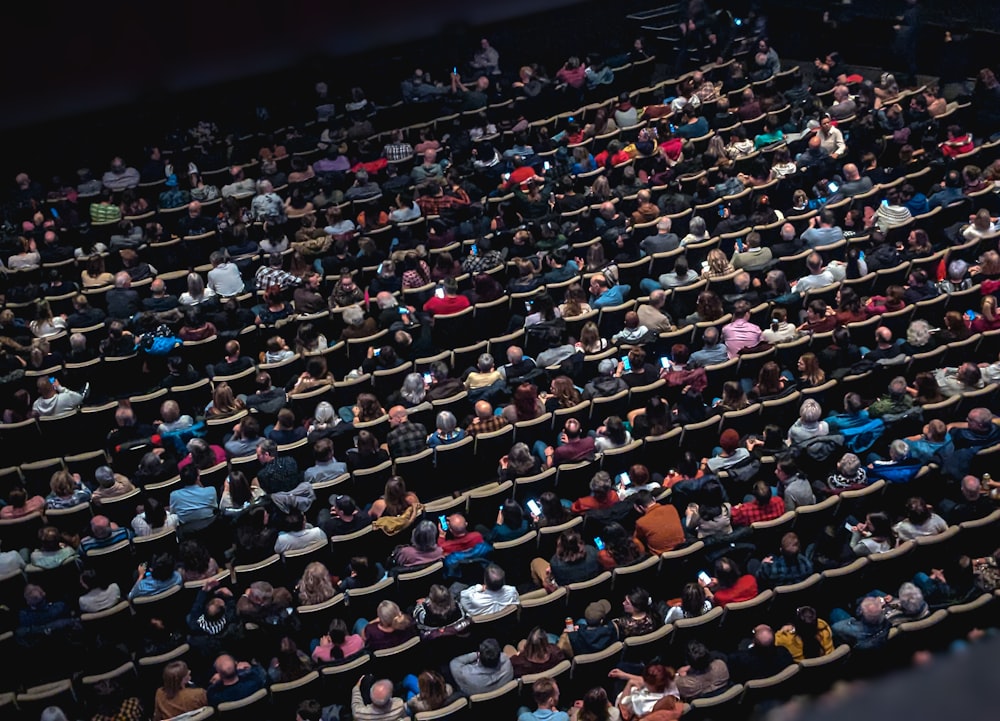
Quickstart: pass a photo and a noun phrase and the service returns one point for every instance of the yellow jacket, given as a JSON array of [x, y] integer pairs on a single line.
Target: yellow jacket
[[791, 640]]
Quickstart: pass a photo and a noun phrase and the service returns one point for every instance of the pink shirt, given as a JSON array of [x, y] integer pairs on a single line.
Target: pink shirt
[[351, 645], [740, 334]]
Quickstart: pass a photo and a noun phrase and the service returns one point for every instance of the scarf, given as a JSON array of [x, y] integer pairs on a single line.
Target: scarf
[[212, 627]]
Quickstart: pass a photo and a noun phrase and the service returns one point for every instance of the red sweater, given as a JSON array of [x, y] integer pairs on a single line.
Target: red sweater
[[446, 305], [744, 589]]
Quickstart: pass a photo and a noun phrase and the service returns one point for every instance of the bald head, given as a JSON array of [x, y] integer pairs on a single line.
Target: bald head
[[970, 488], [607, 210], [851, 172], [763, 636], [381, 694], [397, 415], [657, 298], [484, 411], [225, 666], [663, 226], [514, 354]]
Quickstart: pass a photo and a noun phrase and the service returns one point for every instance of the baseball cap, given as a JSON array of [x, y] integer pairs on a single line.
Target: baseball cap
[[596, 612]]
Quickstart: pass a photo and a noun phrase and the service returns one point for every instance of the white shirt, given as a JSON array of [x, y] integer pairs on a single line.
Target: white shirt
[[294, 540], [477, 600]]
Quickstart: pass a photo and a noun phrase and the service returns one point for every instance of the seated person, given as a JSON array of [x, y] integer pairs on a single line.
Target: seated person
[[790, 566], [535, 654]]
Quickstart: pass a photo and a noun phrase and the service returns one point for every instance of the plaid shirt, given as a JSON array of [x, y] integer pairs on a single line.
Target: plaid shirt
[[406, 439], [130, 710], [747, 513], [493, 423], [783, 571], [267, 276], [434, 204]]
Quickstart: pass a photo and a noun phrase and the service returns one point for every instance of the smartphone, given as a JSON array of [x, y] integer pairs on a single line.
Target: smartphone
[[52, 379], [704, 577], [665, 362], [832, 186], [55, 213], [848, 526], [376, 351], [443, 520], [527, 305], [739, 245], [970, 314], [570, 118], [506, 177], [673, 128], [885, 202], [473, 250], [439, 292], [378, 271], [737, 22], [454, 70], [534, 507], [403, 311], [599, 543], [624, 479], [546, 166], [501, 506], [626, 364], [428, 378], [722, 211]]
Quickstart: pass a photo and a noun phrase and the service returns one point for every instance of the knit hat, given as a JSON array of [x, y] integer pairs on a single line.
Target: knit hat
[[596, 612], [729, 440]]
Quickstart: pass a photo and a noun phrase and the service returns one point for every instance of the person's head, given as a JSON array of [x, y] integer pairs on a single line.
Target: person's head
[[810, 412], [657, 678], [570, 547], [917, 511], [267, 451], [489, 653], [872, 611], [979, 420], [761, 493], [601, 485], [525, 401], [391, 616], [545, 691], [698, 655], [176, 676], [381, 694], [309, 710]]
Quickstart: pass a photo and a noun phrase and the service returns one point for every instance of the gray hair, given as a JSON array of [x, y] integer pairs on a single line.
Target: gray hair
[[810, 411], [899, 449], [196, 285], [353, 315], [413, 388], [264, 186], [104, 476], [607, 367], [324, 412], [424, 536], [957, 269], [485, 363], [848, 464], [919, 333], [388, 300], [446, 421], [872, 610], [78, 341], [53, 713], [911, 599], [697, 225]]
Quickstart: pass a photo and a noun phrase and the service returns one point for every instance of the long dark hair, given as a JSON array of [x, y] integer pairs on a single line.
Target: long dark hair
[[619, 544], [807, 628]]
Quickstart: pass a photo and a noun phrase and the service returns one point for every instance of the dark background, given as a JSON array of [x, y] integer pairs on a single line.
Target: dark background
[[84, 82]]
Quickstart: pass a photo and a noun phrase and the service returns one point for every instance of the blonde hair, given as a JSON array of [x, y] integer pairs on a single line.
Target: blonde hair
[[391, 616], [315, 586]]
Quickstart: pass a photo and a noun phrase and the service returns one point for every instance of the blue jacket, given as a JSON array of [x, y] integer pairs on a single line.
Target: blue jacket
[[615, 295]]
